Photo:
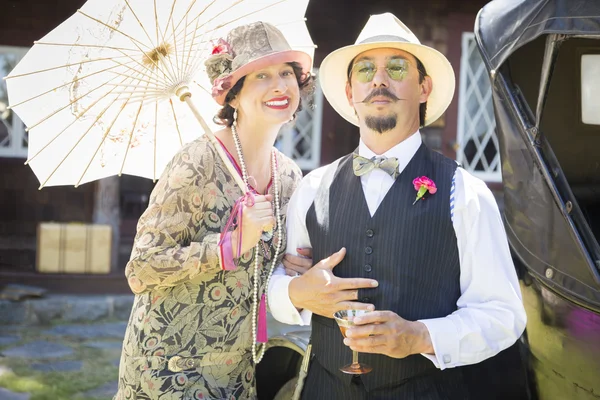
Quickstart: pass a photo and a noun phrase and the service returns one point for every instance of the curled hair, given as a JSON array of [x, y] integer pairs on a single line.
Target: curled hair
[[305, 83]]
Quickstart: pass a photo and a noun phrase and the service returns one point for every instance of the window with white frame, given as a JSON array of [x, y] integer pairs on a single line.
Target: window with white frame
[[478, 149], [13, 138], [301, 141]]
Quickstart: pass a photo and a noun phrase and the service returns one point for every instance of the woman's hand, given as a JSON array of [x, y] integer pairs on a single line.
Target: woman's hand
[[298, 265], [255, 219]]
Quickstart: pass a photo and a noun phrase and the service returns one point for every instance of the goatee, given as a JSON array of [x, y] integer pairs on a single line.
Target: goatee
[[381, 124]]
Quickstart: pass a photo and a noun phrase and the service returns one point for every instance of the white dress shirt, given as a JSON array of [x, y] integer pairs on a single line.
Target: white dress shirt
[[490, 315]]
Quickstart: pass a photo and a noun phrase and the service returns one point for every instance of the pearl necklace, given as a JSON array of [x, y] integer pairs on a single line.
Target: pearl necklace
[[257, 357]]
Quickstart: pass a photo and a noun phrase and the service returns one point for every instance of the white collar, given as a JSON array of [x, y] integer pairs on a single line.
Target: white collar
[[403, 151]]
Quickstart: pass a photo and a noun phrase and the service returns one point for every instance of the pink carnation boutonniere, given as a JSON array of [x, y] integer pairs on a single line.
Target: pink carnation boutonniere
[[423, 185]]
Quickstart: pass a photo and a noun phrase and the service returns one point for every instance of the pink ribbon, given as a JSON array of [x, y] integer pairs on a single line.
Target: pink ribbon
[[236, 218]]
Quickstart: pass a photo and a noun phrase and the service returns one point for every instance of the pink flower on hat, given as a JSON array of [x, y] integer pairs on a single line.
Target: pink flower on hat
[[423, 185], [220, 85], [222, 47]]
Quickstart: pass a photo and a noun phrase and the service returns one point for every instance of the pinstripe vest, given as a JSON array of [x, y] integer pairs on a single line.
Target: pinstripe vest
[[410, 250]]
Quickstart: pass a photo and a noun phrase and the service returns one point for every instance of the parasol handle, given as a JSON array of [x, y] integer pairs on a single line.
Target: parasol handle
[[185, 95]]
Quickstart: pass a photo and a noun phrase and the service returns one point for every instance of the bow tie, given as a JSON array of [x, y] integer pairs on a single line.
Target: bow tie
[[362, 165]]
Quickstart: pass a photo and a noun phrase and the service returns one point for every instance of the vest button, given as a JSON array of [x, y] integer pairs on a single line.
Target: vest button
[[368, 250], [368, 268], [370, 233]]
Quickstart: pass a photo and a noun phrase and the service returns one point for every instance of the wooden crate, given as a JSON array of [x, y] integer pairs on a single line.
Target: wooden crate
[[74, 248]]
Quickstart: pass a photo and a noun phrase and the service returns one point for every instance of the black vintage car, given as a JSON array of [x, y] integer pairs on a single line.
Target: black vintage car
[[543, 59]]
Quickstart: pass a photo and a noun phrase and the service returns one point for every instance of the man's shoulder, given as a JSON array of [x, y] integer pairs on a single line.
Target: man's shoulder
[[471, 181], [442, 159], [474, 191]]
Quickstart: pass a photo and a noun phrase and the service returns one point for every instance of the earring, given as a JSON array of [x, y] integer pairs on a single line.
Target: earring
[[235, 116]]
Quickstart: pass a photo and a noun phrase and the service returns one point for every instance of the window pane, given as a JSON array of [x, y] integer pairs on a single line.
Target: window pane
[[13, 140], [478, 145], [301, 141]]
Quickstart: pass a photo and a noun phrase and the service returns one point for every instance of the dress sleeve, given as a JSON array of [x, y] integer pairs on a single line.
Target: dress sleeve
[[164, 254]]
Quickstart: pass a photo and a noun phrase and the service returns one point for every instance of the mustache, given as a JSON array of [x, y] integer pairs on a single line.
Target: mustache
[[382, 92]]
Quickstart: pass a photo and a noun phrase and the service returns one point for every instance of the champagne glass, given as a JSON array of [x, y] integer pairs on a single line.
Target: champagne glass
[[345, 319]]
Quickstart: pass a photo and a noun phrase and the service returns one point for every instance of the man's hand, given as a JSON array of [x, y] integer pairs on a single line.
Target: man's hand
[[321, 292], [298, 265], [385, 332]]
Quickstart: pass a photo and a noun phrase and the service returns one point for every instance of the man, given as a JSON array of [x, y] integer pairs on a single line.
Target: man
[[445, 290]]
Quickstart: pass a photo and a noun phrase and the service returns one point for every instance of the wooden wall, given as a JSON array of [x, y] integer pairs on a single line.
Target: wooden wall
[[23, 207]]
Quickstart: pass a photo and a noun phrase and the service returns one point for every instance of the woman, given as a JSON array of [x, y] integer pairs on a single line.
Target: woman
[[199, 307]]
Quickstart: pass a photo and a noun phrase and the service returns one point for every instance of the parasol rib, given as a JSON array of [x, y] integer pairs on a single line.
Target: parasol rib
[[71, 124], [183, 71], [92, 46], [176, 56], [253, 12], [63, 85], [141, 72], [141, 25], [72, 148], [168, 20], [68, 105], [125, 75], [79, 141], [176, 123], [103, 140], [134, 41], [61, 66], [197, 61], [155, 129], [137, 115], [216, 16], [187, 62], [187, 12], [236, 19], [166, 82], [156, 22], [203, 88], [196, 34]]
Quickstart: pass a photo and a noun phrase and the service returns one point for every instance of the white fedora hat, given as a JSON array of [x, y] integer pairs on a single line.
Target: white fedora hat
[[386, 31]]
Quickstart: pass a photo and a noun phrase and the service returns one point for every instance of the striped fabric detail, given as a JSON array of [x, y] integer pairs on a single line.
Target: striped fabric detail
[[388, 247], [452, 189]]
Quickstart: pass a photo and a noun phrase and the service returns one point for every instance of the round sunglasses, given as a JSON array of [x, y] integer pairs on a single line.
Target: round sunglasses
[[365, 70]]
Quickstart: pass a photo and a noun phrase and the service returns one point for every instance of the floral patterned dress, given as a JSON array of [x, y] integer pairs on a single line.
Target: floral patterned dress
[[189, 334]]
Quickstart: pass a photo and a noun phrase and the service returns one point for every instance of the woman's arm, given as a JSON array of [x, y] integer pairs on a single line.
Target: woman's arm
[[164, 254]]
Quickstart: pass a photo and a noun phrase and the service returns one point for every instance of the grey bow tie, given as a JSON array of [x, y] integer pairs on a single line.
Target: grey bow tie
[[362, 165]]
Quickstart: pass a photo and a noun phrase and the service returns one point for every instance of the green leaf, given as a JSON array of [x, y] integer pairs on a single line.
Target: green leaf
[[182, 319], [215, 317], [214, 332]]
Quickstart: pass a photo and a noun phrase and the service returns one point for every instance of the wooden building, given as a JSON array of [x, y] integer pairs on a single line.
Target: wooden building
[[465, 132]]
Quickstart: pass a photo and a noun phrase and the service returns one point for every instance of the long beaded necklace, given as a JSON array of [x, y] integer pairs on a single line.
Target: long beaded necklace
[[257, 357]]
